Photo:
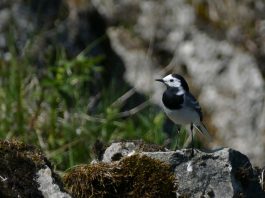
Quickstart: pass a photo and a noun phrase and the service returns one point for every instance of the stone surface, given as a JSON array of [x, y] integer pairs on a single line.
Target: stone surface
[[221, 173], [118, 150], [25, 172], [48, 188], [227, 78]]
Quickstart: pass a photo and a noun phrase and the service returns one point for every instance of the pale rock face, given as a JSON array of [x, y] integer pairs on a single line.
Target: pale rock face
[[48, 188], [230, 83], [115, 149]]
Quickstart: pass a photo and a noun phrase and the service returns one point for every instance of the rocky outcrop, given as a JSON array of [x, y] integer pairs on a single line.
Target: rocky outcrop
[[25, 172], [223, 173]]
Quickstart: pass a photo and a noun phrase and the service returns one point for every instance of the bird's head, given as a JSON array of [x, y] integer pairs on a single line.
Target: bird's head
[[174, 80]]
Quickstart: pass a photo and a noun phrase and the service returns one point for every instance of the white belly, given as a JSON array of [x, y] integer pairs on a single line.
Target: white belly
[[182, 116]]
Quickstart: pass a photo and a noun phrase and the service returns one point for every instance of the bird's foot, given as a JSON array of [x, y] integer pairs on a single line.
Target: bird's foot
[[192, 153]]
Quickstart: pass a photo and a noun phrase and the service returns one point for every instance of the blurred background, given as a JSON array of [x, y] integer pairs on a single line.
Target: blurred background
[[76, 71]]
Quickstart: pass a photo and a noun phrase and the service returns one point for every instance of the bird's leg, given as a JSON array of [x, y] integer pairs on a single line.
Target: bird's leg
[[178, 131], [192, 143]]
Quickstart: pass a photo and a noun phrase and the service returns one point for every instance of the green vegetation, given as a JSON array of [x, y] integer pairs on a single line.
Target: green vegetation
[[50, 107]]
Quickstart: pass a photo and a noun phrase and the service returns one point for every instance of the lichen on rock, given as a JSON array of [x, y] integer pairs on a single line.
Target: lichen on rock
[[117, 150], [48, 188]]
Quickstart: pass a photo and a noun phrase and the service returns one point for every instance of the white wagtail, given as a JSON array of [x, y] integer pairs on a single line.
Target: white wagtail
[[181, 106]]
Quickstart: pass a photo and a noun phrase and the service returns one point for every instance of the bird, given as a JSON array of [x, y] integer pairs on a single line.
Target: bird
[[181, 106]]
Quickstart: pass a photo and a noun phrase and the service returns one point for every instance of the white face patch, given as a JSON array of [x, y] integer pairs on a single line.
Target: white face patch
[[171, 81], [174, 82]]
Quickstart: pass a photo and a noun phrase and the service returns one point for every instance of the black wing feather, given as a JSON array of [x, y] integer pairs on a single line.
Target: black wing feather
[[191, 102]]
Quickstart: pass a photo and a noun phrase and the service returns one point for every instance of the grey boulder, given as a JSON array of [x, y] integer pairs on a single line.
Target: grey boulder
[[221, 173]]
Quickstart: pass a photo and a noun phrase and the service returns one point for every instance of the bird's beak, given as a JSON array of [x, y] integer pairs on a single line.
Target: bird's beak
[[160, 80]]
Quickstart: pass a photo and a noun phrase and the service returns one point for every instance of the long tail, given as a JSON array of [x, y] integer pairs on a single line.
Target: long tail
[[202, 129]]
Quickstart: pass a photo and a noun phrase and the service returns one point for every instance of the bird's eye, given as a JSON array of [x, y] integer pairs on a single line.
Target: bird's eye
[[171, 80]]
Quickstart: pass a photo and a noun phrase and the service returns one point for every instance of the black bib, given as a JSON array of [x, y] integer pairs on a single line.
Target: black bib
[[171, 100]]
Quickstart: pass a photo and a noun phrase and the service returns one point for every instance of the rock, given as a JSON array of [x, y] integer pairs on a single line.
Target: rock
[[118, 150], [140, 69], [25, 172], [228, 79], [48, 188], [130, 169], [221, 173]]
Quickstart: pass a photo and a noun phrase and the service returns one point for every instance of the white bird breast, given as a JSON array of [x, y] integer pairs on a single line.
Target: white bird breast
[[182, 116]]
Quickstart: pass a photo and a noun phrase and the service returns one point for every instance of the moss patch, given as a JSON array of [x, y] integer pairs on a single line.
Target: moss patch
[[135, 176], [18, 165]]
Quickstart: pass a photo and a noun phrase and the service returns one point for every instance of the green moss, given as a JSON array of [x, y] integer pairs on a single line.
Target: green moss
[[135, 176], [151, 178]]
